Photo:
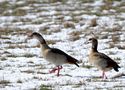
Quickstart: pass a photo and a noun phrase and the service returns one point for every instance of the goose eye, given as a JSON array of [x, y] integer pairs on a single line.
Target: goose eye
[[90, 39]]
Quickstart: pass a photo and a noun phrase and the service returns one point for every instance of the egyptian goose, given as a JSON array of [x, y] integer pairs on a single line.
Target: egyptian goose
[[100, 60], [53, 55]]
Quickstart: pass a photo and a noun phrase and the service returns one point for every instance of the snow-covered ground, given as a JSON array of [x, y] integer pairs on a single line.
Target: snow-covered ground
[[66, 25]]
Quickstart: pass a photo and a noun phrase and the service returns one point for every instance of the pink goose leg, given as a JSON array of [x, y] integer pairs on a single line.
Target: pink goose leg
[[104, 75], [59, 68], [53, 70]]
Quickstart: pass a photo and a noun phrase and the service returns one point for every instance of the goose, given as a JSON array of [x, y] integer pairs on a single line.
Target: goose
[[100, 60], [54, 55]]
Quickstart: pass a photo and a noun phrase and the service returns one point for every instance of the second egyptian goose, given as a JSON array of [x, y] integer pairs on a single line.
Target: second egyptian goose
[[54, 55], [100, 60]]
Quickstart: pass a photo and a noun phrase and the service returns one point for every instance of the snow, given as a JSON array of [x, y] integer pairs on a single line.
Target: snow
[[22, 64], [98, 3]]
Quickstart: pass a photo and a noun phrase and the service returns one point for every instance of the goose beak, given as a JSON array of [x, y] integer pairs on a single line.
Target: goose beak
[[88, 41]]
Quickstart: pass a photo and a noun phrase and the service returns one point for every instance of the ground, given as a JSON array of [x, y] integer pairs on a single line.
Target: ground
[[67, 25]]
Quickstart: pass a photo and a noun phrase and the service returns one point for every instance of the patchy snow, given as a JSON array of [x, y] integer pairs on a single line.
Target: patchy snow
[[98, 3], [21, 62]]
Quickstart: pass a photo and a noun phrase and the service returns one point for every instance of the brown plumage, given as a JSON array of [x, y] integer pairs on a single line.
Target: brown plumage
[[100, 60], [54, 55]]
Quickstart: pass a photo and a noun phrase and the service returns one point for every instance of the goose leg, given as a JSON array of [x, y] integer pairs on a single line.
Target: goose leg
[[53, 70], [56, 68], [104, 75], [59, 68]]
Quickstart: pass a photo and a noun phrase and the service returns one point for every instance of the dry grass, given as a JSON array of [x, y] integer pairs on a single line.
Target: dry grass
[[57, 19], [87, 66], [86, 1], [75, 35], [4, 6], [93, 22], [12, 46], [6, 31], [30, 62], [19, 81], [68, 24], [19, 12], [118, 75], [118, 59], [3, 58], [4, 82], [28, 55], [16, 12], [111, 45], [45, 87], [51, 41], [28, 71], [115, 38]]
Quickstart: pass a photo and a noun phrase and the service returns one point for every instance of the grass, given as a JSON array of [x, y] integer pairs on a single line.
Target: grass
[[44, 87], [120, 47], [117, 58], [111, 53], [28, 55], [115, 38], [19, 81], [4, 82], [87, 66], [119, 87], [33, 1], [19, 12], [48, 30], [28, 71], [51, 41], [38, 21], [111, 45], [6, 31], [3, 58], [12, 55], [87, 1], [79, 84], [30, 62], [4, 5], [68, 24], [75, 35]]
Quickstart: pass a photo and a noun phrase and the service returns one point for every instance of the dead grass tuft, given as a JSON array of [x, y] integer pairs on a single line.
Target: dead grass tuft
[[86, 1], [93, 22], [4, 82], [118, 75], [75, 35], [51, 41], [68, 24], [28, 55], [117, 58], [19, 12], [115, 39], [28, 71], [19, 81], [45, 87], [3, 58], [87, 66]]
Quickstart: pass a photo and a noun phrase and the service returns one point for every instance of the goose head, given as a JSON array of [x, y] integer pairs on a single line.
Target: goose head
[[37, 36], [94, 42]]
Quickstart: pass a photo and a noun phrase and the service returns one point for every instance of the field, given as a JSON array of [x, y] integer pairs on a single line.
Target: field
[[67, 25]]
